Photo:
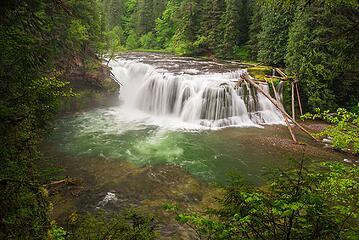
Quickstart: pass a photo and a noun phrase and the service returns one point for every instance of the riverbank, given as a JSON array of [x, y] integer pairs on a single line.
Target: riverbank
[[93, 86]]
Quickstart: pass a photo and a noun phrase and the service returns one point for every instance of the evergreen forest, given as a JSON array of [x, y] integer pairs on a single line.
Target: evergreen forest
[[52, 49], [316, 40]]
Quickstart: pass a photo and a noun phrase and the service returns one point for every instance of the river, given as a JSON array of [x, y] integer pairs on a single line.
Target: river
[[181, 127]]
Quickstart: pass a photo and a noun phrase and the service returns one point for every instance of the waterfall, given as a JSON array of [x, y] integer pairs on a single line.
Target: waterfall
[[209, 100]]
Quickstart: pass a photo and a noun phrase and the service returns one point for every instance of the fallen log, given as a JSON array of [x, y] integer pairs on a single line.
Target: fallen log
[[66, 181], [246, 77]]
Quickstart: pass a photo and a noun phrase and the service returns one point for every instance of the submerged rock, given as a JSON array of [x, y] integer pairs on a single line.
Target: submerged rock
[[110, 197], [327, 140]]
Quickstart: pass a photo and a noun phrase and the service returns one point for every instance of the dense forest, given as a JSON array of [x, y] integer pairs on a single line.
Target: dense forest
[[41, 41], [315, 40], [44, 43]]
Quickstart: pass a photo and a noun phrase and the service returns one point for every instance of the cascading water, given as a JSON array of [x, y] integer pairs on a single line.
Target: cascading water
[[209, 100]]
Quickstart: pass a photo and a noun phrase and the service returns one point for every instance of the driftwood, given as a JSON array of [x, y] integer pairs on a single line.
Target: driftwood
[[66, 181], [299, 101], [276, 77], [281, 73], [246, 77], [285, 118], [115, 79]]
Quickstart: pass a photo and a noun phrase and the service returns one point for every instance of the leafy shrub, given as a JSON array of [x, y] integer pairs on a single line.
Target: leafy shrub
[[148, 41], [102, 226], [132, 41], [241, 52], [297, 204], [56, 233], [345, 129]]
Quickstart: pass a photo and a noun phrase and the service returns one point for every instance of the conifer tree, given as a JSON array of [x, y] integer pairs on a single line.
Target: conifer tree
[[273, 37], [146, 21], [323, 53], [166, 25], [234, 27], [187, 27], [254, 28], [115, 10], [212, 26]]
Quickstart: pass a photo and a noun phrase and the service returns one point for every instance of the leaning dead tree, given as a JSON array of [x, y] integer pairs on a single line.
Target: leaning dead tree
[[278, 105]]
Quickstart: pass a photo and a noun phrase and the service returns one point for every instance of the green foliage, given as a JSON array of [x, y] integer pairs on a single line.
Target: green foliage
[[132, 41], [114, 10], [344, 130], [145, 17], [187, 27], [235, 27], [38, 39], [166, 24], [77, 32], [113, 42], [254, 28], [297, 204], [273, 36], [181, 47], [100, 226], [323, 55], [212, 23], [148, 41], [169, 207], [56, 233], [241, 53], [182, 25]]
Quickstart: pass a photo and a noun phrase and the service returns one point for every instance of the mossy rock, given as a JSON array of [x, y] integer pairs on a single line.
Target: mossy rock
[[260, 72], [110, 86]]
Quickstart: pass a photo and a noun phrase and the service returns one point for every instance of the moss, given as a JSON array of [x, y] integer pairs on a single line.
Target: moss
[[87, 99], [110, 85], [259, 72]]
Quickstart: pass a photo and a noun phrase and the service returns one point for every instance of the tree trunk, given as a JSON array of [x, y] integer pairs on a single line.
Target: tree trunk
[[293, 103], [299, 101]]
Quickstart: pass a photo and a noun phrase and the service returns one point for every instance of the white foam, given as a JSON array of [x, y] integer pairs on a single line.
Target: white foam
[[110, 197]]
